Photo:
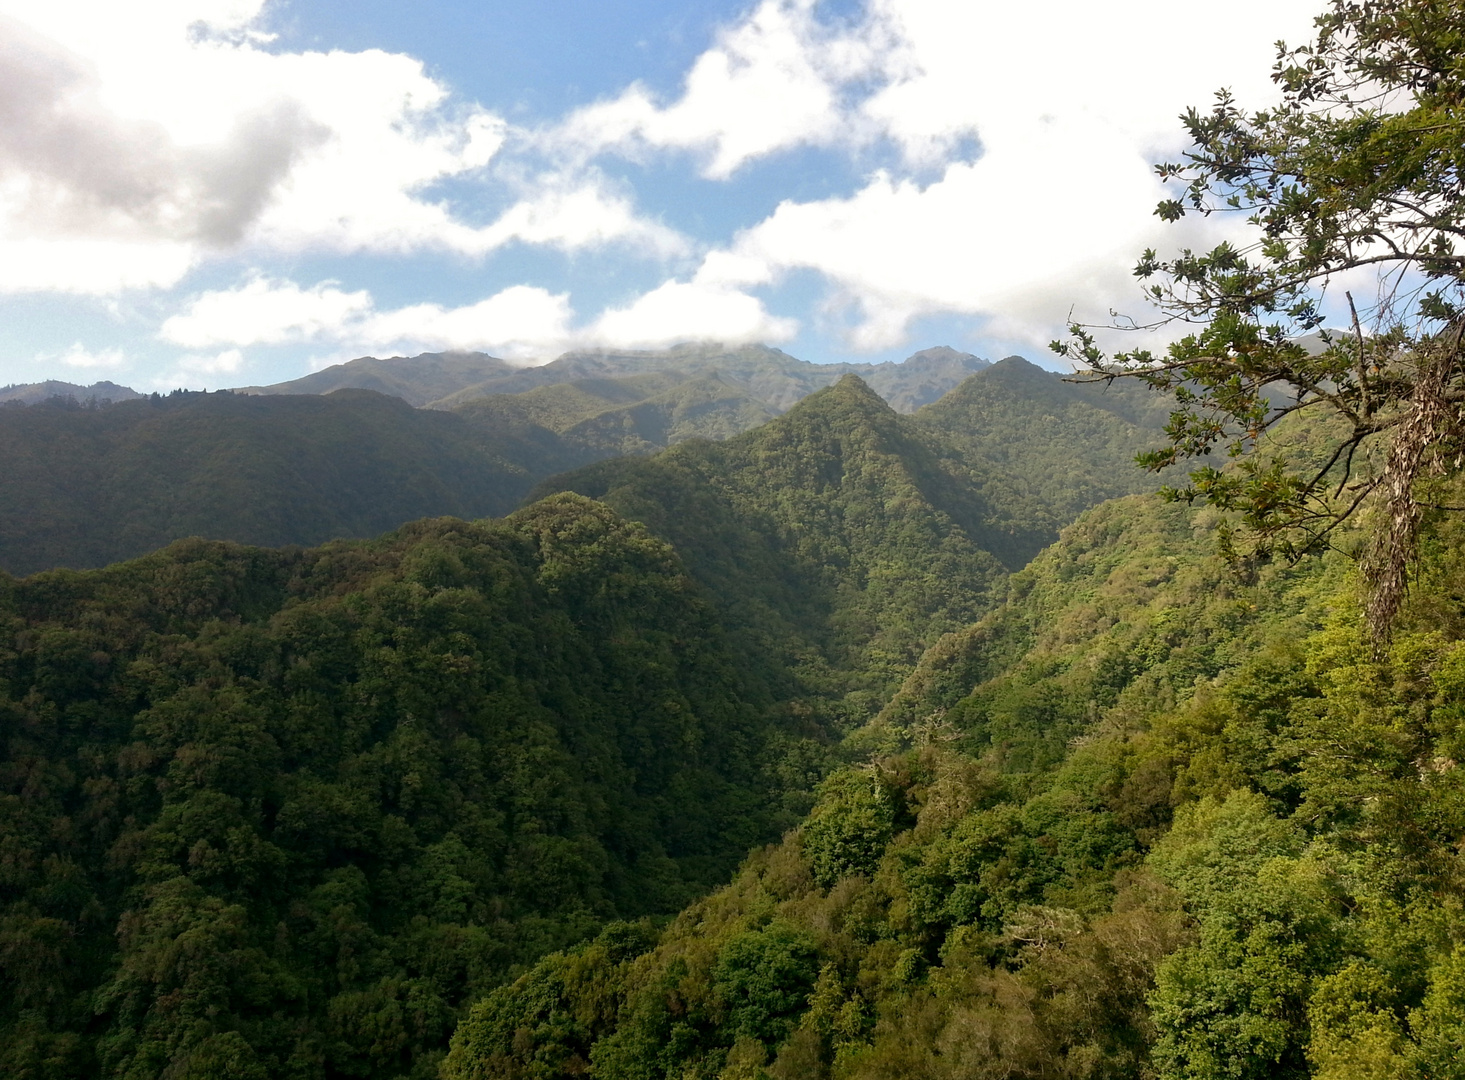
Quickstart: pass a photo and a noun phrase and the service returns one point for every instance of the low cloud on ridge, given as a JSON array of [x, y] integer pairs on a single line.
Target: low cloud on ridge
[[1010, 179]]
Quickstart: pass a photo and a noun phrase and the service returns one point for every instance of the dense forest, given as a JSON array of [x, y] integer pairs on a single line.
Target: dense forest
[[286, 812], [769, 724], [86, 485], [1143, 819]]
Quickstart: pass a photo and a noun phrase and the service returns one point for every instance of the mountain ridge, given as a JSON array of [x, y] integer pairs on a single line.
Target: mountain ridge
[[99, 392], [769, 375]]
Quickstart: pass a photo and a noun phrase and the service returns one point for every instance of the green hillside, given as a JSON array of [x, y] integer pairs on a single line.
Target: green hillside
[[417, 380], [1059, 446], [835, 536], [562, 405], [469, 800], [285, 813], [637, 414], [85, 487], [1144, 820]]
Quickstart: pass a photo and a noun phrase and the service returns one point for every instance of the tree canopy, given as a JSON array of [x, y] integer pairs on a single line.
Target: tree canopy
[[1353, 177]]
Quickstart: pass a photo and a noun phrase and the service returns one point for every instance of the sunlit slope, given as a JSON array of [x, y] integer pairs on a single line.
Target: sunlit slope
[[973, 897]]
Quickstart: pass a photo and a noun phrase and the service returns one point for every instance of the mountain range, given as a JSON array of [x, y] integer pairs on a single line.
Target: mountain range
[[831, 741], [85, 487], [766, 375], [99, 392]]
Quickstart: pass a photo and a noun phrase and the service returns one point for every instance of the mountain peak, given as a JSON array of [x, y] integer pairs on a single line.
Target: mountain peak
[[33, 393], [943, 354], [849, 390]]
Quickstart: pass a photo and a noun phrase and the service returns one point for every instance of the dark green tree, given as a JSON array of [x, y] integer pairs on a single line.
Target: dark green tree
[[1357, 169]]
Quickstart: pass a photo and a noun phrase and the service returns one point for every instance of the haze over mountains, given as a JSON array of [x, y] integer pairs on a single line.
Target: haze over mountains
[[86, 487], [767, 375], [99, 392]]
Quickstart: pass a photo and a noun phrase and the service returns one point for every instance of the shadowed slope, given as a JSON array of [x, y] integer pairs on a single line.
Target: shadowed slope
[[833, 535], [86, 487]]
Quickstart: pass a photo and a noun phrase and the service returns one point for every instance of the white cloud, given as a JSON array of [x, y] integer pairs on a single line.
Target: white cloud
[[225, 363], [678, 311], [138, 140], [198, 372], [974, 242], [148, 136], [521, 322], [79, 356], [1052, 213], [772, 81], [574, 212], [265, 312]]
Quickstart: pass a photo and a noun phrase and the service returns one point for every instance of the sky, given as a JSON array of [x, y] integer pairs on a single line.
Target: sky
[[214, 193]]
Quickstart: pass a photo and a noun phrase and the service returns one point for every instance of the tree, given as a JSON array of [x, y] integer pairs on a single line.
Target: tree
[[1358, 169]]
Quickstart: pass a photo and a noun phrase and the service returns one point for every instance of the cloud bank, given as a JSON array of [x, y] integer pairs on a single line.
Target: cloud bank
[[519, 323], [138, 139], [999, 162]]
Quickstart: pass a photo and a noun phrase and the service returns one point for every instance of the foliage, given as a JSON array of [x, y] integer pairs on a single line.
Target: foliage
[[1043, 449], [849, 827], [598, 418], [84, 487], [1238, 857], [270, 813], [89, 486], [834, 539], [1357, 168]]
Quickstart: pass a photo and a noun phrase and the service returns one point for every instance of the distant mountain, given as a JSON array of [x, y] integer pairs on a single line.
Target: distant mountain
[[920, 378], [835, 535], [768, 376], [638, 414], [86, 487], [1021, 452], [99, 392], [1060, 446], [417, 380]]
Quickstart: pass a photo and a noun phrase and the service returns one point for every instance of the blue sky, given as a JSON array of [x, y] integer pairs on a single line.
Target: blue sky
[[211, 193]]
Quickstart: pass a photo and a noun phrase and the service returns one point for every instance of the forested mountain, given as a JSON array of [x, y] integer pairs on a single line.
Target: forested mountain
[[776, 755], [85, 487], [311, 812], [285, 813], [637, 414], [768, 376], [856, 536], [417, 380], [99, 392], [1145, 819], [1058, 446], [834, 535]]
